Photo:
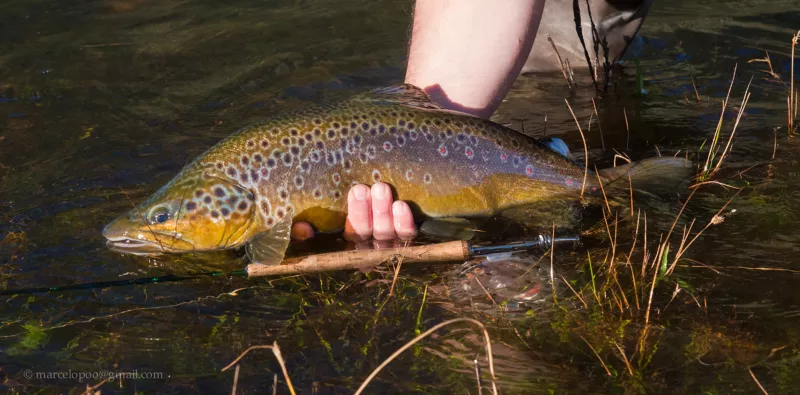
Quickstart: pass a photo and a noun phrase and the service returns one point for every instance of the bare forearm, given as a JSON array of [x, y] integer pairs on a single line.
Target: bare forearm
[[467, 53]]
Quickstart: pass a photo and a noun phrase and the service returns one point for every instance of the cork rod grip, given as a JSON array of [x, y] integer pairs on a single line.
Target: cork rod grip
[[355, 259]]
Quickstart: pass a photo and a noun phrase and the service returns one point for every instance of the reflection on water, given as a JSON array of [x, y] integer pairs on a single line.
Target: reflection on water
[[102, 102]]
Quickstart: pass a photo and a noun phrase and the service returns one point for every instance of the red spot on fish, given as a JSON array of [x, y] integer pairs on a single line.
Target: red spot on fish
[[569, 181], [529, 170], [503, 157]]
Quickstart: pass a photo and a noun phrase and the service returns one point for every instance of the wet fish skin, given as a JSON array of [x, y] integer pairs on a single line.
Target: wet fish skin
[[299, 167]]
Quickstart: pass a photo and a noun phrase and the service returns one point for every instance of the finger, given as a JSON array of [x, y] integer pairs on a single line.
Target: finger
[[403, 220], [358, 226], [382, 224], [302, 231]]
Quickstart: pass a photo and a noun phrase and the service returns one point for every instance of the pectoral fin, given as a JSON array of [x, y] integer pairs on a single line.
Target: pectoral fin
[[451, 228], [269, 247]]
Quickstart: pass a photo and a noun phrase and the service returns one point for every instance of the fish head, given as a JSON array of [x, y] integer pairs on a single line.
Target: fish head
[[197, 211]]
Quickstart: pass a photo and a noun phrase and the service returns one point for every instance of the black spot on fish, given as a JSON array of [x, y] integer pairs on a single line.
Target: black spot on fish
[[219, 165], [215, 213], [401, 122], [357, 139], [257, 157], [373, 131], [336, 125], [244, 177], [394, 113], [382, 129], [411, 125], [264, 143], [280, 213], [254, 175], [245, 160], [437, 122], [294, 132], [353, 125], [344, 131], [337, 195], [473, 140], [301, 142], [242, 206], [447, 121], [305, 166], [285, 141], [392, 129], [232, 172], [317, 193], [449, 133], [271, 163], [225, 211], [284, 194], [295, 150], [270, 221], [275, 131], [401, 141], [251, 143], [374, 122], [198, 193], [309, 137], [207, 200], [219, 192], [287, 159], [461, 138], [331, 133], [317, 121], [427, 121], [364, 126], [191, 206], [317, 132]]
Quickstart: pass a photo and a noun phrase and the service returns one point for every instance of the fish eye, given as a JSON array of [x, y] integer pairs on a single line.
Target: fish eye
[[159, 215]]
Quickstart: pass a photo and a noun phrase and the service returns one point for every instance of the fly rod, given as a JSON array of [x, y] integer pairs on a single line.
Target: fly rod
[[429, 253]]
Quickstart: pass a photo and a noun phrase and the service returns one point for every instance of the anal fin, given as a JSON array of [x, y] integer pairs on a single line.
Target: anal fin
[[449, 228]]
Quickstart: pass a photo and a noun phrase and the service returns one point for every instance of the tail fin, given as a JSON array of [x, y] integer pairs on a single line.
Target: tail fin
[[653, 175]]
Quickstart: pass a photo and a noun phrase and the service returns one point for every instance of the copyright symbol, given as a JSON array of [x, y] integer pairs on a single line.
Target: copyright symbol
[[27, 373]]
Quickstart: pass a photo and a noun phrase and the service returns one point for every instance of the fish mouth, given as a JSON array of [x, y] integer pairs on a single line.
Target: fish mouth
[[135, 246], [125, 236]]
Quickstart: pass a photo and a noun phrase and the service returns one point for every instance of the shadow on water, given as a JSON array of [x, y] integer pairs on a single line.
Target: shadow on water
[[102, 102]]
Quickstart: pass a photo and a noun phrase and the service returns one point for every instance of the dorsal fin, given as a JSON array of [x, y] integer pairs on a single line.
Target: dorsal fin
[[404, 94]]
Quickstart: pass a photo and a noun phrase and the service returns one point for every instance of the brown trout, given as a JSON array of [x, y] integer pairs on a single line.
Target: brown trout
[[250, 187]]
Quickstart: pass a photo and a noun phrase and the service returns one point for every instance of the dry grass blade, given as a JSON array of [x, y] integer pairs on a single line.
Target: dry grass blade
[[570, 81], [757, 382], [685, 246], [277, 352], [624, 358], [792, 99], [712, 149], [576, 294], [627, 129], [599, 126], [697, 95], [596, 354], [725, 152], [235, 380], [426, 334], [585, 148]]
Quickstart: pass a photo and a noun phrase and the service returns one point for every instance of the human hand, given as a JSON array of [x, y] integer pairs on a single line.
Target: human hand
[[371, 214]]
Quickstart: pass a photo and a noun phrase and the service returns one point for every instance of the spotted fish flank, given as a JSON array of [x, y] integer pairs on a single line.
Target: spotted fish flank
[[250, 187]]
